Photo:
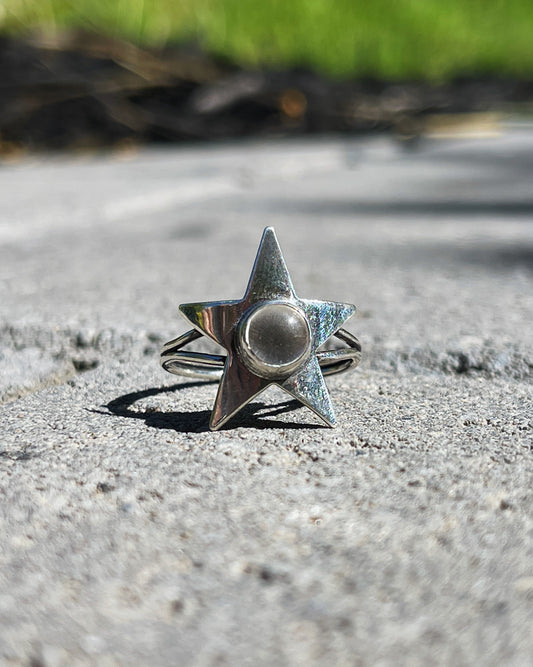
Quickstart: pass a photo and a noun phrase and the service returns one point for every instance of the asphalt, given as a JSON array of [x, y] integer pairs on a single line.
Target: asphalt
[[132, 535]]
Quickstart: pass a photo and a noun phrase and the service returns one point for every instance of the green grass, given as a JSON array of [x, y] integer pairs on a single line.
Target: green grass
[[392, 39]]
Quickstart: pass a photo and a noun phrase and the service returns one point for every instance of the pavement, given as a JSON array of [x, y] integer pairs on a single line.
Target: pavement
[[132, 535]]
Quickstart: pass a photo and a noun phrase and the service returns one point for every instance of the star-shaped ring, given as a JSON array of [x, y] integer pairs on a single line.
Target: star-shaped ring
[[271, 337]]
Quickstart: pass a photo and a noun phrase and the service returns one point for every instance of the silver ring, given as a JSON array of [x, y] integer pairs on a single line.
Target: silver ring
[[271, 336]]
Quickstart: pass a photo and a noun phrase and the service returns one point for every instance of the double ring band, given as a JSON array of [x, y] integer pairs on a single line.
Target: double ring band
[[211, 366]]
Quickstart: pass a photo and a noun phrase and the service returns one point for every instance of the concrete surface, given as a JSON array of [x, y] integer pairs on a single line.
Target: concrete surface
[[131, 535]]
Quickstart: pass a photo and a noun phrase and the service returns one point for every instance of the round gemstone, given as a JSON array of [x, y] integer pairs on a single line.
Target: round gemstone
[[274, 339]]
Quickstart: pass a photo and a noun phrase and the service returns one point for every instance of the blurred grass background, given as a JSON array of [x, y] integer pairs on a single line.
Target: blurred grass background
[[433, 40]]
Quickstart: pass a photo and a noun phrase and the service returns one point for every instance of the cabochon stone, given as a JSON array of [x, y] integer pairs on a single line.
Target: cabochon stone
[[275, 336]]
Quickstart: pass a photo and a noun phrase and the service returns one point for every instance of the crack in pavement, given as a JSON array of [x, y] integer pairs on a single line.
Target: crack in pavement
[[35, 357]]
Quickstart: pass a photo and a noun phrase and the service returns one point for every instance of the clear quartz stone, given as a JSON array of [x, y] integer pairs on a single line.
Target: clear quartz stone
[[275, 336]]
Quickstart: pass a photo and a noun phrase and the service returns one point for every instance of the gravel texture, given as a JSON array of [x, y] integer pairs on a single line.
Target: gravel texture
[[132, 535]]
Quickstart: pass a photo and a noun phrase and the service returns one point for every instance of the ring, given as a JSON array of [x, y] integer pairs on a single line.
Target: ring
[[271, 337]]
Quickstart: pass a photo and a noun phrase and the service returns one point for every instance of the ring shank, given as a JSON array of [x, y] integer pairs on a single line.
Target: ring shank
[[210, 366]]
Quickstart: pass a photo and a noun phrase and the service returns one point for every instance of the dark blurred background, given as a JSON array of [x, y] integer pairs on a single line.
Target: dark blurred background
[[94, 73]]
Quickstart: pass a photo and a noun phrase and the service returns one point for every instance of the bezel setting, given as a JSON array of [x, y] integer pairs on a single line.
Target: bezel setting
[[253, 352]]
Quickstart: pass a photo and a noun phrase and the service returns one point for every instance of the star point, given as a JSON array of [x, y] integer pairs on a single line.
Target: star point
[[270, 275]]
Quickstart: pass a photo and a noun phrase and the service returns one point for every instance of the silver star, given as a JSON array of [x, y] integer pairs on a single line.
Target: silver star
[[271, 337]]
